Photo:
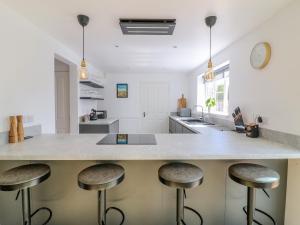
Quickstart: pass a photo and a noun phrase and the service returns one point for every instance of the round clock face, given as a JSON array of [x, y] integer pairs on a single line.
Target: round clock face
[[261, 55]]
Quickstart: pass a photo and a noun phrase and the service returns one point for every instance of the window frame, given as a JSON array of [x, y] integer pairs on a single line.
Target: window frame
[[222, 72]]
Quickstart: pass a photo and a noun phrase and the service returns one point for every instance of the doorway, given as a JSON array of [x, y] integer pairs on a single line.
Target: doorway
[[62, 97], [154, 101]]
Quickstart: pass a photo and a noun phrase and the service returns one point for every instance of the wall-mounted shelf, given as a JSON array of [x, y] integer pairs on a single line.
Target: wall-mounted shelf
[[91, 98], [91, 84]]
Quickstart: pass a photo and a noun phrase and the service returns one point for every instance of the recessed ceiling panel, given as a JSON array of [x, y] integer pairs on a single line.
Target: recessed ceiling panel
[[147, 26]]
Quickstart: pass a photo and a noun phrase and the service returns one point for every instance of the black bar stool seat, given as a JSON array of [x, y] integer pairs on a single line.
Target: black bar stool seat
[[21, 179], [181, 176]]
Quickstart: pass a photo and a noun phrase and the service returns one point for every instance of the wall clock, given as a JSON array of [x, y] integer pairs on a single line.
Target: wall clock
[[260, 55]]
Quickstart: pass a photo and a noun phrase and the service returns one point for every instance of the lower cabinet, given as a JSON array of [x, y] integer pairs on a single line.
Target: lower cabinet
[[177, 128], [172, 125], [99, 128], [186, 130]]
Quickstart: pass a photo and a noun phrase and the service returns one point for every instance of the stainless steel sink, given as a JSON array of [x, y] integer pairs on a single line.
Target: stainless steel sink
[[196, 122]]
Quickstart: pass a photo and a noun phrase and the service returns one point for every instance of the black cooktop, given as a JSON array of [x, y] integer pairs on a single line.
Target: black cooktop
[[128, 139]]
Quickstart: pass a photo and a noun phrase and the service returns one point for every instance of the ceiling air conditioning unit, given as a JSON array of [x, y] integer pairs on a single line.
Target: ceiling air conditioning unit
[[148, 26]]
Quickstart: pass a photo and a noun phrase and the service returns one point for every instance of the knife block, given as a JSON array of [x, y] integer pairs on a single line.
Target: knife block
[[13, 132], [20, 128]]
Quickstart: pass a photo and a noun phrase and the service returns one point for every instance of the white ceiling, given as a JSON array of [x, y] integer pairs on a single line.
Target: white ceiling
[[147, 53]]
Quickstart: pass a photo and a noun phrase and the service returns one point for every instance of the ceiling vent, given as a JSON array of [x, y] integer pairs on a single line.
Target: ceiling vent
[[148, 26]]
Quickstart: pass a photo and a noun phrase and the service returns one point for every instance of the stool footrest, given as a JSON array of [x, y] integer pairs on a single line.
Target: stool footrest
[[195, 212], [118, 210], [261, 212], [45, 209]]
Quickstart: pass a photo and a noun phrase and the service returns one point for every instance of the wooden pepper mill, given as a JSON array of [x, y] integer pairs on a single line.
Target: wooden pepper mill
[[13, 132], [20, 128]]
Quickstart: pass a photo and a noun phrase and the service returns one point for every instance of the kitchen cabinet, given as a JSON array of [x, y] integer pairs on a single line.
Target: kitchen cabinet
[[114, 127], [186, 130], [172, 125], [176, 128], [99, 128]]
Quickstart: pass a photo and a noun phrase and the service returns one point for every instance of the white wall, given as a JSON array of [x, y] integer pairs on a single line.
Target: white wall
[[128, 110], [273, 92], [27, 70]]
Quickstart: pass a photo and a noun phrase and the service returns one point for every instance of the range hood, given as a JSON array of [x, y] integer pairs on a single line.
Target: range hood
[[147, 26]]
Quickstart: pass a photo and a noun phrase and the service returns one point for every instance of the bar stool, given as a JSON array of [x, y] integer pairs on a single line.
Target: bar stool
[[22, 178], [181, 176], [254, 177], [101, 178]]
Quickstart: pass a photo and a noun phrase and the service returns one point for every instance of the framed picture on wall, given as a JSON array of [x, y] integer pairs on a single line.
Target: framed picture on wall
[[122, 90]]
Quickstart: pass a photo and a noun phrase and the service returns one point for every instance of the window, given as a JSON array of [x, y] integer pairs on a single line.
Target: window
[[216, 89]]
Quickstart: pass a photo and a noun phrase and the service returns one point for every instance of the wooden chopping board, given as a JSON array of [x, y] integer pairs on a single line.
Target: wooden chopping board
[[181, 102]]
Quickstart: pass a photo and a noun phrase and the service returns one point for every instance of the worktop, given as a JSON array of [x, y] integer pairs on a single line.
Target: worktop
[[209, 144]]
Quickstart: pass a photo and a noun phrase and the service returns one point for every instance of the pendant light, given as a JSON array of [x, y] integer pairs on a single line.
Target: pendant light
[[210, 75], [83, 21]]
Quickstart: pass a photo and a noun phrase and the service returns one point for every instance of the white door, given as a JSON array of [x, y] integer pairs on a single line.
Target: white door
[[62, 102], [154, 102]]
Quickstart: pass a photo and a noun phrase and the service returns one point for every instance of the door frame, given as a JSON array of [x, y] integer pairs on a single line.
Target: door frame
[[73, 93]]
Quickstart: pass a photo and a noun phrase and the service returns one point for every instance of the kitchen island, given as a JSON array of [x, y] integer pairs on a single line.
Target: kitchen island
[[144, 199], [210, 144]]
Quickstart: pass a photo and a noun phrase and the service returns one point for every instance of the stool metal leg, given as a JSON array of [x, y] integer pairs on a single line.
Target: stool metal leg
[[180, 206], [26, 210], [250, 209], [250, 205], [102, 207], [102, 210]]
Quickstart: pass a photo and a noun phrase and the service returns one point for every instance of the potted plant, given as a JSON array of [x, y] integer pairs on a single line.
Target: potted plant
[[209, 103]]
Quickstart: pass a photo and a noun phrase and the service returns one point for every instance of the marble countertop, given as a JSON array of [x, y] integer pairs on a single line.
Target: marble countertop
[[209, 144], [100, 122]]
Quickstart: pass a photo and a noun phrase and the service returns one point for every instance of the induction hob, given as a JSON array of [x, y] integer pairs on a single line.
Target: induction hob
[[128, 139]]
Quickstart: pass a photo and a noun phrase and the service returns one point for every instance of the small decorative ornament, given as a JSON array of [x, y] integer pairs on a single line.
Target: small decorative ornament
[[260, 55]]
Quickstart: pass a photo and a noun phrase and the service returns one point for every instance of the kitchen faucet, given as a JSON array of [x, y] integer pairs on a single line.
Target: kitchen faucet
[[202, 110]]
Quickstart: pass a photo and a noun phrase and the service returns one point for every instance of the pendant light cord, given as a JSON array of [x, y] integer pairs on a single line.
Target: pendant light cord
[[83, 43], [210, 42]]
